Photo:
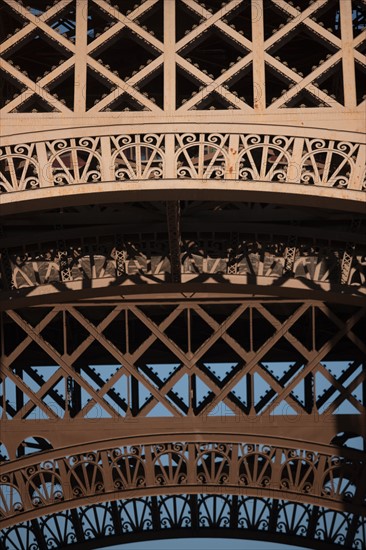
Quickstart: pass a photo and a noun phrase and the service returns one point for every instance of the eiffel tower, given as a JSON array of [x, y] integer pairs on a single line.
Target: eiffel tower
[[182, 272]]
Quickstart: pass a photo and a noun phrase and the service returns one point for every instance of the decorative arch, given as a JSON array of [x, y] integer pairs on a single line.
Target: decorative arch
[[328, 163], [222, 467], [190, 515], [202, 156], [75, 165], [138, 157], [19, 169], [264, 158]]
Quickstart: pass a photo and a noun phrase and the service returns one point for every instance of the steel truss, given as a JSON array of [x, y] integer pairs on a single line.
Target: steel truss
[[163, 355], [174, 46], [190, 339]]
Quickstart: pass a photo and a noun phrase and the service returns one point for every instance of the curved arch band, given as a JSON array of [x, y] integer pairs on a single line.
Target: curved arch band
[[190, 515], [247, 466], [283, 168]]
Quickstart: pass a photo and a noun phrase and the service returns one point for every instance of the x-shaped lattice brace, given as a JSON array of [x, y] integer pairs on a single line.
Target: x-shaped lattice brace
[[279, 389], [210, 84], [41, 23], [307, 82], [128, 85], [313, 359], [256, 48], [39, 87], [215, 20], [252, 359], [66, 361]]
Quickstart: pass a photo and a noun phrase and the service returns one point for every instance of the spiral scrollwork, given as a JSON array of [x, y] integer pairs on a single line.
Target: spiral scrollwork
[[176, 464], [259, 157]]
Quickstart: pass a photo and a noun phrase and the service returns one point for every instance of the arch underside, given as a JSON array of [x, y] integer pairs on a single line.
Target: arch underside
[[243, 486], [141, 249], [232, 283], [183, 516]]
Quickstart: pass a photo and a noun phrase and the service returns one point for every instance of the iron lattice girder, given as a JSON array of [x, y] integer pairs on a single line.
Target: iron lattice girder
[[252, 63], [191, 339]]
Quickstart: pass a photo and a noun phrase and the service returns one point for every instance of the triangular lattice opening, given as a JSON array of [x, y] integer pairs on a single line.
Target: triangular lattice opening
[[360, 73], [177, 331], [187, 86], [35, 104], [240, 330], [240, 18], [51, 333], [219, 372], [219, 312], [185, 19], [304, 99], [215, 101], [180, 393], [153, 87], [153, 20], [97, 87], [325, 329], [10, 88], [63, 88], [242, 85], [65, 22], [126, 7], [328, 17], [14, 22], [332, 83], [274, 19], [358, 17], [37, 6], [277, 84], [159, 410], [115, 332], [199, 329], [99, 21], [136, 53], [219, 352], [125, 102], [240, 393], [202, 395], [302, 329]]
